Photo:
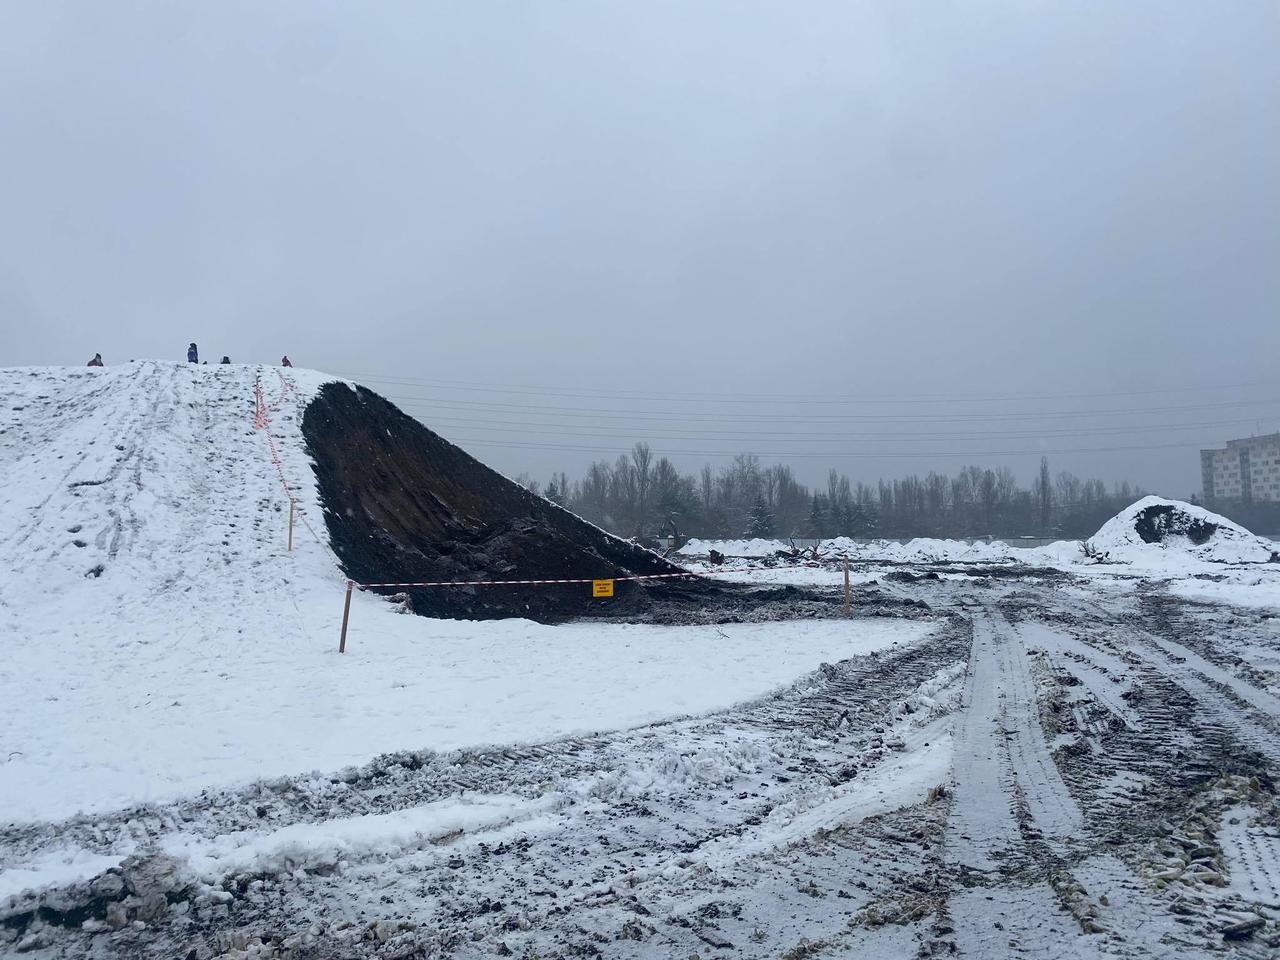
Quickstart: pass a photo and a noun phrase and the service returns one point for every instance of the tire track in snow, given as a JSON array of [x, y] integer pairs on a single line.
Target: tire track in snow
[[1103, 675], [1002, 759], [1261, 701], [1223, 710], [981, 821], [1055, 812], [1023, 910], [1252, 858], [1231, 707]]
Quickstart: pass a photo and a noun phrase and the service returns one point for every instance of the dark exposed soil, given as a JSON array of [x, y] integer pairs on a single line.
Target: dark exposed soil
[[1162, 520], [404, 505]]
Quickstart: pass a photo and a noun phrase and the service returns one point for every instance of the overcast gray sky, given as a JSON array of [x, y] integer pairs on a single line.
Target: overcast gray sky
[[619, 221]]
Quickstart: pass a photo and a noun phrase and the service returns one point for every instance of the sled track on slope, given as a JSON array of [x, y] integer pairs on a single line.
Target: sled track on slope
[[150, 375]]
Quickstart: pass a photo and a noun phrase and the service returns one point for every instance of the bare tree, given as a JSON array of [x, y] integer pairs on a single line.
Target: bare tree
[[642, 460], [1045, 491]]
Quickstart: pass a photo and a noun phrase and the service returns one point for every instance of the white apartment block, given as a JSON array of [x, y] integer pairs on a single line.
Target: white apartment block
[[1247, 470]]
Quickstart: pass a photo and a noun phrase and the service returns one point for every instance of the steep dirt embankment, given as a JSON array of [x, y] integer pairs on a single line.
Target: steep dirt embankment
[[403, 504]]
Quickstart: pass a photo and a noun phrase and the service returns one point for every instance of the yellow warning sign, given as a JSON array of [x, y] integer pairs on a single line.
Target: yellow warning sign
[[602, 588]]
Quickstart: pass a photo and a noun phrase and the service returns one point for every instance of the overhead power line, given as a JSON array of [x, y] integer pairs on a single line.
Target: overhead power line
[[754, 397], [522, 428], [579, 412], [828, 454]]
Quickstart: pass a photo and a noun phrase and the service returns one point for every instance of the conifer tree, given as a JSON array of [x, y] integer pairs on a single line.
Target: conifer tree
[[760, 520]]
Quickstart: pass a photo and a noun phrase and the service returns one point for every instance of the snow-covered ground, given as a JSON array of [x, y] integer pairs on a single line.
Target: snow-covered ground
[[160, 639], [1119, 541], [1006, 752], [918, 550]]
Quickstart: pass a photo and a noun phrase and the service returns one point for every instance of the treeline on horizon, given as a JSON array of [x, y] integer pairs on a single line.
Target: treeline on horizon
[[641, 496]]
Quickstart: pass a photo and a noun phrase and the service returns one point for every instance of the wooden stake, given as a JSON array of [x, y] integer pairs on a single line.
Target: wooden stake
[[847, 610], [346, 614], [290, 525]]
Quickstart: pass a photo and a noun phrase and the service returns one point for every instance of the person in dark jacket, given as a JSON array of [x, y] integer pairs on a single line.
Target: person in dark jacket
[[284, 361], [225, 359], [96, 361], [193, 355]]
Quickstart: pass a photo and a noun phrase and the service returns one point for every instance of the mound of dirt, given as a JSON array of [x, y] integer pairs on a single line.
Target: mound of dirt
[[404, 505], [1154, 528]]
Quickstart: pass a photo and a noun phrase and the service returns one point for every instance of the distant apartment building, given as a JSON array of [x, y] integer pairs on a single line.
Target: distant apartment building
[[1247, 471]]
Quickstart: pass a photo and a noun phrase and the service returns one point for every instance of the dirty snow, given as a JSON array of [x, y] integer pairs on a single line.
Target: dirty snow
[[323, 844]]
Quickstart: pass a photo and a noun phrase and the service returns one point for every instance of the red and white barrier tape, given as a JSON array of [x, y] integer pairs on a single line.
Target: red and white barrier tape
[[572, 580], [513, 583], [262, 421]]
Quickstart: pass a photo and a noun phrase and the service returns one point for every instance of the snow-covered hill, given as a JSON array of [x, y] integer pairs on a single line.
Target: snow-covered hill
[[147, 484], [156, 637], [145, 576], [1172, 533]]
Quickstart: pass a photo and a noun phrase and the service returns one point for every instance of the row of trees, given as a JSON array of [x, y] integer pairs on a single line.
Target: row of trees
[[643, 496]]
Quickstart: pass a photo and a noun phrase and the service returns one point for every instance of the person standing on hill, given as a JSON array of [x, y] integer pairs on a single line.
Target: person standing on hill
[[284, 361], [193, 355], [96, 361]]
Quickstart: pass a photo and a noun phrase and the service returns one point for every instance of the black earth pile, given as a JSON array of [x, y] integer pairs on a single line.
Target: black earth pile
[[1162, 520], [405, 505]]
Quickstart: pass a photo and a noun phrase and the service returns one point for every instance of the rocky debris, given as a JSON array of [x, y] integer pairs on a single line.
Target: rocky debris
[[1076, 899], [902, 910], [151, 875], [108, 886], [36, 937], [1188, 853], [1243, 929], [141, 891], [906, 576]]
